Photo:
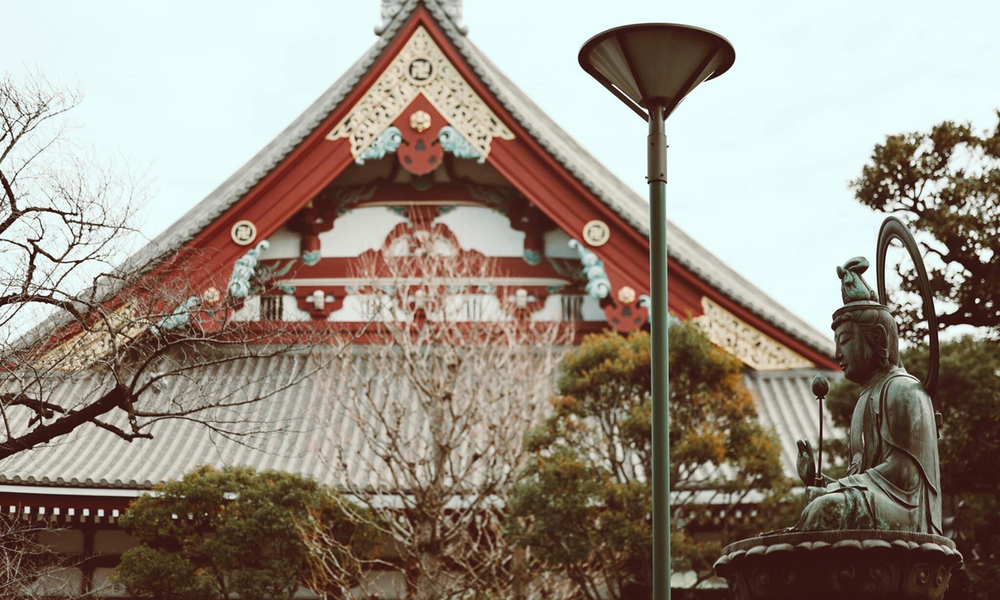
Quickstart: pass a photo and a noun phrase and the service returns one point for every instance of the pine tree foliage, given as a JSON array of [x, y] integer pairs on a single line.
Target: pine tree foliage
[[230, 533], [945, 184], [583, 504]]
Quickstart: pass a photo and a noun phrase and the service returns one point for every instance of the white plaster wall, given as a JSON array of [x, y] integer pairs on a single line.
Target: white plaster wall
[[356, 231], [484, 230], [550, 311], [102, 584], [359, 230], [305, 593], [476, 228], [591, 309], [283, 244], [291, 311], [557, 245], [61, 582], [250, 310]]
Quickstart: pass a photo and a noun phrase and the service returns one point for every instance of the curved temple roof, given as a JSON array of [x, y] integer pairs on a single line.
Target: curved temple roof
[[302, 428], [107, 461], [584, 167]]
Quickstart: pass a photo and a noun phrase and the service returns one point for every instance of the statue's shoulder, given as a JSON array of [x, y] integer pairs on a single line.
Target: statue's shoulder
[[904, 390], [902, 383]]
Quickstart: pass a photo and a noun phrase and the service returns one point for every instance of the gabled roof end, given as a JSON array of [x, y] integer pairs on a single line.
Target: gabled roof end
[[392, 10]]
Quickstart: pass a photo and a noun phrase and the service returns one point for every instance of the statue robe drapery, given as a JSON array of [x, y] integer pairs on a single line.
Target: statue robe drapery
[[893, 415]]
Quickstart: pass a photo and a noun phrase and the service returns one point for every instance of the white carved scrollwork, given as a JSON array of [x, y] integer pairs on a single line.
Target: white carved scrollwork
[[756, 350], [421, 68]]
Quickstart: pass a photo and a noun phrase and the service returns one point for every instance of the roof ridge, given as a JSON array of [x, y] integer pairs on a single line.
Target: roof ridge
[[242, 180], [590, 172], [634, 209]]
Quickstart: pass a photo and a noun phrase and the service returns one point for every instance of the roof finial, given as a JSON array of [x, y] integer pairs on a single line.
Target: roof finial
[[452, 10]]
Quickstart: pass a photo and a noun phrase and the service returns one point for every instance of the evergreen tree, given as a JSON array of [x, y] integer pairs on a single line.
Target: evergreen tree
[[226, 534], [583, 503], [944, 184]]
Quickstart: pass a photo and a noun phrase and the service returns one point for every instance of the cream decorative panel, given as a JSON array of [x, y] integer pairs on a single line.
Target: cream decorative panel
[[118, 328], [421, 68], [755, 349]]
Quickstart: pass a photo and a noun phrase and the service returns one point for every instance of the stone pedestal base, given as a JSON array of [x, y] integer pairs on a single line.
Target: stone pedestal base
[[827, 565]]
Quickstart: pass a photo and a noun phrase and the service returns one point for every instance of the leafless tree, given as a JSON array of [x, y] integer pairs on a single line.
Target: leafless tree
[[90, 338], [30, 567], [116, 334], [455, 373]]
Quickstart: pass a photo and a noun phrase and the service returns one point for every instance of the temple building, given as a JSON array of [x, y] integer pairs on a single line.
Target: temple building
[[424, 134]]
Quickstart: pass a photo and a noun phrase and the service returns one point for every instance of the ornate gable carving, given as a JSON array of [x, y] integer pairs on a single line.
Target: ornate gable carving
[[755, 349], [421, 68]]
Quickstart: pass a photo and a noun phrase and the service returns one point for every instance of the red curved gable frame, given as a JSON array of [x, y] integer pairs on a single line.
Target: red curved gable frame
[[317, 162], [307, 170], [548, 185]]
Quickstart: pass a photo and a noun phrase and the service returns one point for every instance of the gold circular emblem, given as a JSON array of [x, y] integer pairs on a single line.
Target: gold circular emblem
[[244, 232], [596, 233], [626, 295], [420, 121]]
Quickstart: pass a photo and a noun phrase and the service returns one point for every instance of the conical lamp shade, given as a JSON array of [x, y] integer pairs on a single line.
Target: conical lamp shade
[[655, 62]]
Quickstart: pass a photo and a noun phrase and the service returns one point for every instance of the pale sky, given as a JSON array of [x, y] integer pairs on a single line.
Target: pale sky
[[759, 158]]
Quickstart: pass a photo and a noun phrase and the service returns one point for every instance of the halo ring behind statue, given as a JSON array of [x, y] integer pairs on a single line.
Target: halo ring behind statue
[[894, 228]]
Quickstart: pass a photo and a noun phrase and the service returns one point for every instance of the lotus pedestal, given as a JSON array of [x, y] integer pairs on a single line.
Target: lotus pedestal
[[828, 565]]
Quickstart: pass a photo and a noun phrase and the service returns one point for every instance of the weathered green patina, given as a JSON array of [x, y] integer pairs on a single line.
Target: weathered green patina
[[875, 533], [893, 482]]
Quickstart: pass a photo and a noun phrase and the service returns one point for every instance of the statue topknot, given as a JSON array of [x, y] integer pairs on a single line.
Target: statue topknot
[[853, 287]]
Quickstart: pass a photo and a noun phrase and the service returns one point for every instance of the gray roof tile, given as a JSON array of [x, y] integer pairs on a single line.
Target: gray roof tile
[[307, 423]]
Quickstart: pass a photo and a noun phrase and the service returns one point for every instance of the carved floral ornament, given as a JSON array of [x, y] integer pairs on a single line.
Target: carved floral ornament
[[756, 350], [420, 121], [421, 68]]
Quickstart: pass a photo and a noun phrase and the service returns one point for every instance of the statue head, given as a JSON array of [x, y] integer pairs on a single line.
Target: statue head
[[866, 334]]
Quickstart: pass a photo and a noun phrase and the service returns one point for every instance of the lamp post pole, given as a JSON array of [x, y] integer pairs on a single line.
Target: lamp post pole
[[656, 175], [651, 67]]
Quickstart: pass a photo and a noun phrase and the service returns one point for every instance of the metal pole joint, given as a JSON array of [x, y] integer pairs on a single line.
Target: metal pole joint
[[656, 145]]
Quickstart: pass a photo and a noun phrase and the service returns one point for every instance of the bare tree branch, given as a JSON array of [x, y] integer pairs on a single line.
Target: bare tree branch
[[455, 376], [115, 332]]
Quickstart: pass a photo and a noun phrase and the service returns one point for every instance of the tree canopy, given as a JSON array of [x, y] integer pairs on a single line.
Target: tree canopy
[[945, 184], [583, 503], [229, 533]]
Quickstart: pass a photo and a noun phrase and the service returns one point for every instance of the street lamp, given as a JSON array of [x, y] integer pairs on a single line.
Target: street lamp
[[651, 67]]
